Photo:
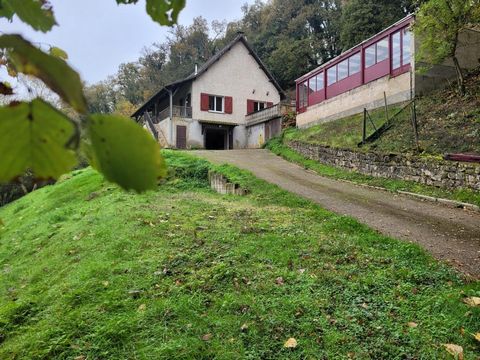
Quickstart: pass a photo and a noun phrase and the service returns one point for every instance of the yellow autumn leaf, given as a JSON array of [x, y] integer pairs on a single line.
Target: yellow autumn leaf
[[412, 324], [477, 336], [142, 308], [455, 350], [290, 343], [472, 301]]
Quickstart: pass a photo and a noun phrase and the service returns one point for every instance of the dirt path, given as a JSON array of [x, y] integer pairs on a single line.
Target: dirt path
[[449, 234]]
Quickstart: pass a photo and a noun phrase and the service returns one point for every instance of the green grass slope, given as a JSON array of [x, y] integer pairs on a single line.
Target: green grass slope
[[91, 272]]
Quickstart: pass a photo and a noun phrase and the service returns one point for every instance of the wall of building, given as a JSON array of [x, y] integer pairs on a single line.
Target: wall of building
[[256, 136], [236, 74], [438, 76], [370, 96], [439, 173]]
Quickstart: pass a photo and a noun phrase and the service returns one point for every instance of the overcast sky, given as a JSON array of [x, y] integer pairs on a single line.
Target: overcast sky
[[99, 35]]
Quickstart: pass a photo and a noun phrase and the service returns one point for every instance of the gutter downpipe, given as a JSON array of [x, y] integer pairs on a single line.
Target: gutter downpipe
[[170, 93]]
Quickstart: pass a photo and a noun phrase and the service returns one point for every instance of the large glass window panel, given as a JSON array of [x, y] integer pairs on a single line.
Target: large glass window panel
[[219, 104], [382, 50], [332, 75], [319, 80], [407, 39], [396, 50], [343, 70], [354, 63], [370, 56], [312, 85]]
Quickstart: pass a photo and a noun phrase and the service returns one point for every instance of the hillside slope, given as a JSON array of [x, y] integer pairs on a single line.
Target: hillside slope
[[91, 272]]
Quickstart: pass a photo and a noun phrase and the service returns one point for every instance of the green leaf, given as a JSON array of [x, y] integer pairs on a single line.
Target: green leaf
[[35, 13], [54, 72], [165, 12], [34, 136], [59, 53], [125, 152]]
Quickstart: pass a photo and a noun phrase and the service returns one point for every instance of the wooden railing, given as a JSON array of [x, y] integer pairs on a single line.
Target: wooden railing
[[178, 111], [150, 125], [270, 113]]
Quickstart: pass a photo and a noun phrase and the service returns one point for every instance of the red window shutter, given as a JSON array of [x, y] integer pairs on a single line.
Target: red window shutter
[[204, 102], [269, 104], [228, 105], [250, 106]]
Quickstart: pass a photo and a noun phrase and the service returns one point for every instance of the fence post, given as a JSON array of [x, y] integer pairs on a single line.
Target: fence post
[[364, 135], [415, 125]]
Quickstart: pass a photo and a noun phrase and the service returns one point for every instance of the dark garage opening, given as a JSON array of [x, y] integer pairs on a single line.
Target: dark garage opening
[[216, 139]]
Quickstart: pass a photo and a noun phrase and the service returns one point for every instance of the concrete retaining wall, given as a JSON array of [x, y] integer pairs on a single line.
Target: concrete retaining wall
[[439, 173]]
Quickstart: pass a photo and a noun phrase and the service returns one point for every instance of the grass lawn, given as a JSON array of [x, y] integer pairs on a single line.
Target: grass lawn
[[91, 272], [278, 147]]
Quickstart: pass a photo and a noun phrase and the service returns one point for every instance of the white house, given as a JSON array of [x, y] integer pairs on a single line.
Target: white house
[[231, 102]]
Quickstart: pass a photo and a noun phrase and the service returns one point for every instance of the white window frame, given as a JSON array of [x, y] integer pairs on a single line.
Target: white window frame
[[215, 97]]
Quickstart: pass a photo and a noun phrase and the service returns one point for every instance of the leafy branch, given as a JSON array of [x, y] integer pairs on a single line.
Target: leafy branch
[[34, 135]]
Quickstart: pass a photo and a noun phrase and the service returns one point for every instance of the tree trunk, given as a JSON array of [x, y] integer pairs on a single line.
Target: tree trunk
[[460, 78]]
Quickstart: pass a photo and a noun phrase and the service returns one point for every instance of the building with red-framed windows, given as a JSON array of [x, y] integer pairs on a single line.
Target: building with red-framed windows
[[382, 65], [230, 102]]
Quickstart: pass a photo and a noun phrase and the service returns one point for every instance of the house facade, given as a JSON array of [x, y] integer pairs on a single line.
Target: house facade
[[382, 67], [231, 102]]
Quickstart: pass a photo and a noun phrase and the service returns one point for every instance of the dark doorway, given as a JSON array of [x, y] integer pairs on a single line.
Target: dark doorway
[[181, 137], [216, 138]]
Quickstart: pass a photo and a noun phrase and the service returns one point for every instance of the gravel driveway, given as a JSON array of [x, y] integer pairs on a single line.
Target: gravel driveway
[[452, 235]]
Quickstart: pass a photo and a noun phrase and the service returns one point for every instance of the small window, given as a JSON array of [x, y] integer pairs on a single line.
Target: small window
[[370, 56], [343, 70], [332, 75], [319, 81], [354, 64], [382, 50], [407, 39], [216, 103], [303, 95], [396, 50], [259, 105]]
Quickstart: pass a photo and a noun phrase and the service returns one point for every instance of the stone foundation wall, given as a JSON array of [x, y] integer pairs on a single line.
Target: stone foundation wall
[[221, 185], [439, 173]]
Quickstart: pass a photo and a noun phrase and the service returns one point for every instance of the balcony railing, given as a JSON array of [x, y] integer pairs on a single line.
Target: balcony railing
[[272, 112], [178, 111]]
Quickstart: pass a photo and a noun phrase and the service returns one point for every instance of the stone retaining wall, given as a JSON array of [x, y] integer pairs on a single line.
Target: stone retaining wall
[[439, 173], [221, 185]]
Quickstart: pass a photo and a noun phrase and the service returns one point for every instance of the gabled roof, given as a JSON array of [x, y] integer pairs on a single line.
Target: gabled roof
[[170, 87]]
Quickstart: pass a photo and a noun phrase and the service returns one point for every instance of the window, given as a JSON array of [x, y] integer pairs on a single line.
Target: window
[[303, 95], [343, 70], [396, 50], [370, 56], [332, 75], [216, 103], [382, 50], [407, 39], [258, 105], [319, 81], [312, 86], [354, 63]]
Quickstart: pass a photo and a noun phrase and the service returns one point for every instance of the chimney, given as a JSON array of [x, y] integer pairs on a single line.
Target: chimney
[[196, 68]]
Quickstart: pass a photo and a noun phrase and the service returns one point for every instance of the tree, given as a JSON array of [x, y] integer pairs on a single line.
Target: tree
[[362, 19], [35, 135], [438, 26]]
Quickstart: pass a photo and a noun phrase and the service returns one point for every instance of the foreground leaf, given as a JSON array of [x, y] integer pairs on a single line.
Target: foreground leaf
[[164, 12], [54, 72], [59, 53], [34, 136], [455, 350], [125, 153], [35, 13]]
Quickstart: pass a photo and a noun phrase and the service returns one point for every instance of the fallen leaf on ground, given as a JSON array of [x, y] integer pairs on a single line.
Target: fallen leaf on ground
[[455, 350], [290, 343], [477, 336], [472, 301], [244, 327], [106, 283], [207, 337], [412, 324], [280, 281], [142, 308]]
